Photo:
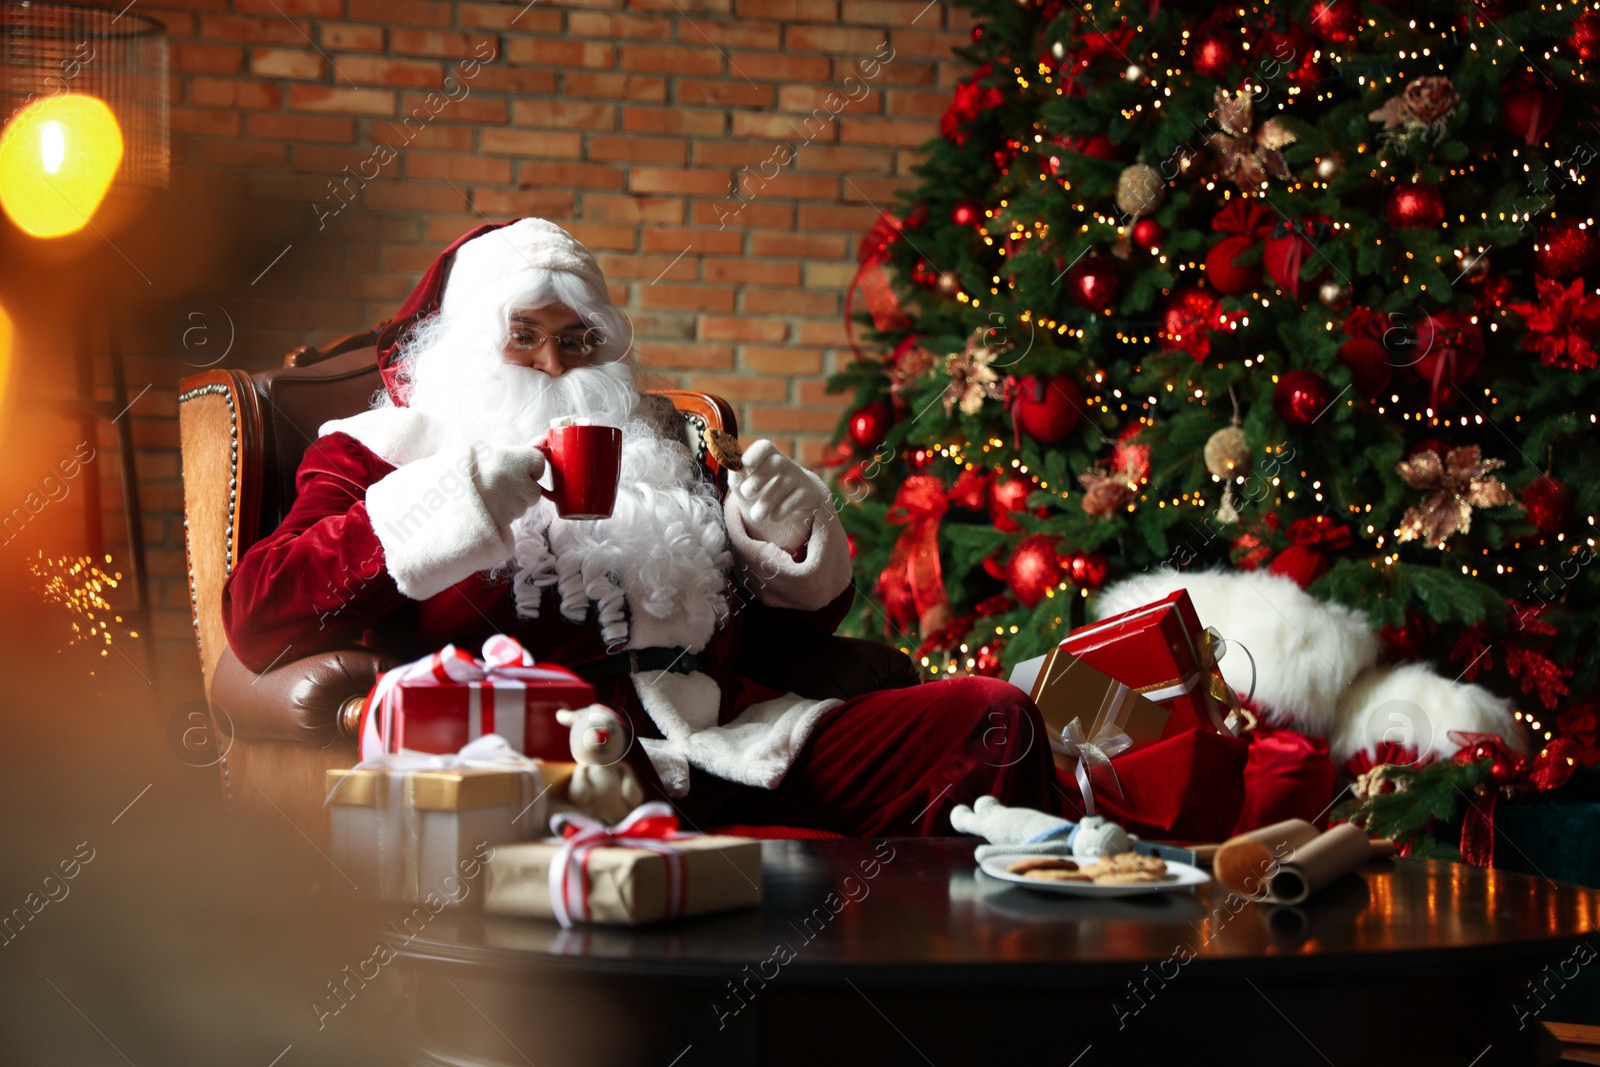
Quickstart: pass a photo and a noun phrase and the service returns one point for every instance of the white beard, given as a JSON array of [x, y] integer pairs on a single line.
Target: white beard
[[656, 570]]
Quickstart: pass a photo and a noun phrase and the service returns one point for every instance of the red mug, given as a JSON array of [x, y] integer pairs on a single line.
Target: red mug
[[585, 466]]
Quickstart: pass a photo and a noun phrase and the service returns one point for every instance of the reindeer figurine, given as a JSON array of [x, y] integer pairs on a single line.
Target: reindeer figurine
[[603, 787]]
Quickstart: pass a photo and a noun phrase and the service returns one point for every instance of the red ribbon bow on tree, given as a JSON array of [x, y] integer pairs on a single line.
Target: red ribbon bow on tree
[[1510, 774], [912, 585], [1304, 560], [872, 254]]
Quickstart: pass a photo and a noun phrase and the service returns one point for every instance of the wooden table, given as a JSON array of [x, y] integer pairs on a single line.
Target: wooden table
[[899, 951]]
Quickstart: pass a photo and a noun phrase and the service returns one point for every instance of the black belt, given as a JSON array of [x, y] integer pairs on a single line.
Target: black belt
[[635, 660]]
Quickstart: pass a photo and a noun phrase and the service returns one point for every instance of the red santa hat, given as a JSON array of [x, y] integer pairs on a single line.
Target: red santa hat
[[475, 262]]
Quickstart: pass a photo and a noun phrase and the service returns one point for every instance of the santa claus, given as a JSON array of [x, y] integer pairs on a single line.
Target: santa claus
[[421, 522]]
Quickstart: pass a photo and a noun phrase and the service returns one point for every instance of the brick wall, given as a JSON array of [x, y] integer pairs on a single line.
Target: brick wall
[[720, 157]]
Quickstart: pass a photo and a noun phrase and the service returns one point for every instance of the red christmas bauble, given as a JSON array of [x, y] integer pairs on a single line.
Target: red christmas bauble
[[1047, 410], [1585, 39], [1548, 502], [966, 214], [1226, 276], [1148, 234], [850, 543], [1491, 294], [1093, 283], [1408, 641], [1186, 324], [1415, 205], [923, 274], [1087, 569], [1007, 496], [988, 663], [1450, 348], [1335, 20], [1250, 551], [1213, 50], [1500, 772], [869, 425], [1034, 568], [994, 565], [1529, 113], [1565, 248], [1300, 397], [1369, 365]]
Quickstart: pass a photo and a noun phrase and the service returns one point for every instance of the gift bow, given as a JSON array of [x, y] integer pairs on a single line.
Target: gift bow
[[504, 659], [1209, 648], [1555, 764], [913, 582], [882, 304], [1108, 741], [649, 826]]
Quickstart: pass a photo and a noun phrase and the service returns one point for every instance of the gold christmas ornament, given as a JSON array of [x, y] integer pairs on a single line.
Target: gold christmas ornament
[[1333, 294], [1227, 453], [1329, 168], [1472, 265], [1140, 190], [1457, 483], [972, 379], [1247, 154], [948, 282]]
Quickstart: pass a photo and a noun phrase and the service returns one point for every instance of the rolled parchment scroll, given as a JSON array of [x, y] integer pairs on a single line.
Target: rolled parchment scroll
[[1287, 862]]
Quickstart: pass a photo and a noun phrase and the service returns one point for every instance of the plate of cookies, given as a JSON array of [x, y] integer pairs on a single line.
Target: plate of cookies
[[1127, 874]]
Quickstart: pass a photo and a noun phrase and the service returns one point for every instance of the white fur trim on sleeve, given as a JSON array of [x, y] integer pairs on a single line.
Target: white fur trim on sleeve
[[434, 527], [1411, 705], [776, 578], [397, 435]]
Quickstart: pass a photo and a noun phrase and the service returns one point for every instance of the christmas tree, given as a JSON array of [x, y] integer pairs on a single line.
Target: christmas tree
[[1304, 287]]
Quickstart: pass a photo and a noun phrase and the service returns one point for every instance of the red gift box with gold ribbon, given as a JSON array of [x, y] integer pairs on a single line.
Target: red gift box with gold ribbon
[[1161, 652]]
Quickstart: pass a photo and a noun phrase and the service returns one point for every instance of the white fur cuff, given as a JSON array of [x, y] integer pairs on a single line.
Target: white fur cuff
[[776, 578], [433, 525]]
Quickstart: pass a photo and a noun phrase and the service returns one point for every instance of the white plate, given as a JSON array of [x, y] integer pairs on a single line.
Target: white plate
[[995, 867]]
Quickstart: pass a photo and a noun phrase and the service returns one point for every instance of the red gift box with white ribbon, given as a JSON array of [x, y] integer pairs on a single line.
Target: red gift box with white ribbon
[[442, 701], [1161, 652]]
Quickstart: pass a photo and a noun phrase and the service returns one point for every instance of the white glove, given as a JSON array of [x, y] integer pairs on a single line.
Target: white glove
[[507, 479], [777, 497]]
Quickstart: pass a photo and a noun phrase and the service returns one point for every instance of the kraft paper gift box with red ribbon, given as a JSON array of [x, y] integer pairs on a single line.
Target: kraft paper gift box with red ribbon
[[1162, 652], [1069, 690], [442, 701], [407, 826], [643, 870]]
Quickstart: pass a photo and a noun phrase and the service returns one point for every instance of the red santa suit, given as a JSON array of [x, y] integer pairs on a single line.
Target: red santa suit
[[352, 563]]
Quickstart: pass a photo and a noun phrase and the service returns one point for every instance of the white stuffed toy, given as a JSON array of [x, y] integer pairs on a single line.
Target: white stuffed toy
[[602, 787], [1012, 830], [1316, 666]]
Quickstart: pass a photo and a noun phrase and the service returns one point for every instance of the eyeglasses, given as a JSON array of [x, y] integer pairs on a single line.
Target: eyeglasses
[[579, 346]]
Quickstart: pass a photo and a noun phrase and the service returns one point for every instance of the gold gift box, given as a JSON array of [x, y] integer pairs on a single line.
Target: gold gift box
[[1068, 688], [460, 789], [628, 886]]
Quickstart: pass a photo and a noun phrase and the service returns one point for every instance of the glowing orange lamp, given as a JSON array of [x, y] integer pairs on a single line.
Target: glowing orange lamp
[[57, 159]]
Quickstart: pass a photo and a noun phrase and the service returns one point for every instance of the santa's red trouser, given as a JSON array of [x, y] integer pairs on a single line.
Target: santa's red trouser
[[896, 762]]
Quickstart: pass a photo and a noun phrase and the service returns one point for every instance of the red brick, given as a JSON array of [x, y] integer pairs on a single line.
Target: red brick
[[671, 59], [415, 12], [720, 328], [630, 266], [766, 66], [564, 113], [180, 24], [444, 136], [909, 133], [873, 190], [439, 43], [660, 355], [287, 63], [255, 31], [243, 153], [730, 213], [826, 101], [750, 124], [675, 239], [563, 53], [456, 167], [728, 93], [906, 160], [833, 39], [502, 16], [755, 182], [321, 9], [583, 175], [905, 71], [799, 245], [741, 389], [829, 275], [787, 360], [669, 180], [845, 160], [321, 159], [473, 108], [347, 101], [542, 143], [852, 218], [520, 80], [543, 203], [732, 34], [614, 86], [377, 70], [411, 196], [685, 297], [635, 149], [350, 38], [686, 7], [784, 302], [792, 419], [751, 272], [824, 332], [596, 237], [912, 102], [890, 13], [674, 120], [815, 394], [224, 92], [206, 58], [736, 154], [912, 43], [789, 10], [277, 126], [648, 209], [609, 26], [212, 122]]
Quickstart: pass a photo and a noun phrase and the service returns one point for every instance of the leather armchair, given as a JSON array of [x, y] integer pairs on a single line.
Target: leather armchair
[[242, 439]]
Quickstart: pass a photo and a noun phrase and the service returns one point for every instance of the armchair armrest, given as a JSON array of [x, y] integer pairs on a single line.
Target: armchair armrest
[[315, 700]]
